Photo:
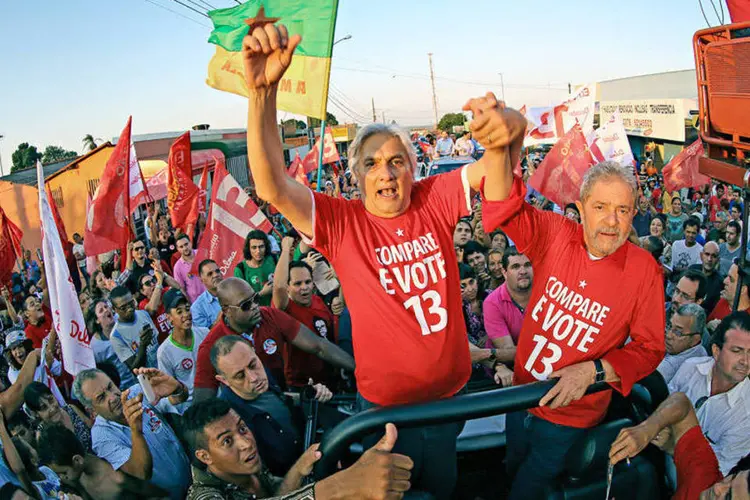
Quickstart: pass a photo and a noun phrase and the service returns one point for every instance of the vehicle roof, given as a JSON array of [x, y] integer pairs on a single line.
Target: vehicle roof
[[453, 159]]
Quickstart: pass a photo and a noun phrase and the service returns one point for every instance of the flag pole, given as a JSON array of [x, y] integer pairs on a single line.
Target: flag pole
[[325, 101]]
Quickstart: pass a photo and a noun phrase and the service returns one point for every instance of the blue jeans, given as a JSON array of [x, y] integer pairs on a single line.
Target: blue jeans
[[536, 453], [433, 450]]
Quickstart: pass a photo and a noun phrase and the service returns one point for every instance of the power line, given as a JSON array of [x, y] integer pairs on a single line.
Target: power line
[[199, 6], [354, 115], [341, 97], [191, 8], [207, 4], [178, 13]]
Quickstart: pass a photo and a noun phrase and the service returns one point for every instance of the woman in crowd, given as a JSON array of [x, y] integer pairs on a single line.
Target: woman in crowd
[[495, 268], [18, 347], [42, 404], [99, 286], [498, 241], [100, 321], [657, 229]]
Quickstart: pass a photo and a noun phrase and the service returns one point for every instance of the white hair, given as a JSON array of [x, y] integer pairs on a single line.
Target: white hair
[[604, 170], [355, 150]]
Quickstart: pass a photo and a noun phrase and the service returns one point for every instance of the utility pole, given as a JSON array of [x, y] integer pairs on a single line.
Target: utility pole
[[502, 85], [434, 96], [1, 159], [383, 115], [374, 116]]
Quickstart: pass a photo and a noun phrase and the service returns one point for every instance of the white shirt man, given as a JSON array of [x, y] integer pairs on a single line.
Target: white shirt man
[[720, 391], [683, 339], [687, 252]]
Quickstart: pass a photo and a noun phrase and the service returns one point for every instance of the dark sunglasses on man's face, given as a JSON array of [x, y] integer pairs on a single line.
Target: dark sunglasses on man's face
[[138, 249], [147, 283], [247, 304]]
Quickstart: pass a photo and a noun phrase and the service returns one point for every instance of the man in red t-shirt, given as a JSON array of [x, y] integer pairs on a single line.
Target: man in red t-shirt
[[152, 290], [294, 293], [674, 428], [592, 291], [269, 330], [392, 249], [724, 306]]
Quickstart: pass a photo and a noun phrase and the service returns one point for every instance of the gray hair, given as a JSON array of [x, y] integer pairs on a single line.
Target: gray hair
[[224, 346], [604, 170], [83, 376], [697, 313], [355, 149]]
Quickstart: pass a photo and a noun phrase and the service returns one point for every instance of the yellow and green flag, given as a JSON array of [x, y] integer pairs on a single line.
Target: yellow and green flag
[[304, 88]]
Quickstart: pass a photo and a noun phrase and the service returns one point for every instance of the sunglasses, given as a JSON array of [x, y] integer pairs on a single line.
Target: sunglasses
[[148, 283], [138, 249], [247, 304]]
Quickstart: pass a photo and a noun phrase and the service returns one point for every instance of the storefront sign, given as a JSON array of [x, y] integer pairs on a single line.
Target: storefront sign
[[653, 118]]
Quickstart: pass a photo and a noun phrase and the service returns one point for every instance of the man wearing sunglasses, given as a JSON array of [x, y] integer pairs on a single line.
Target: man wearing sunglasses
[[137, 263], [134, 335], [719, 389], [683, 339], [267, 329]]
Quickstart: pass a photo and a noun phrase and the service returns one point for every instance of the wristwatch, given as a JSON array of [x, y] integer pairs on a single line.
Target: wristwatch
[[493, 355], [601, 375]]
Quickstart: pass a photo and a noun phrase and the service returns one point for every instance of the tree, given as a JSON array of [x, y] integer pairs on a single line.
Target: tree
[[450, 120], [24, 156], [53, 154], [298, 124], [330, 120], [89, 143]]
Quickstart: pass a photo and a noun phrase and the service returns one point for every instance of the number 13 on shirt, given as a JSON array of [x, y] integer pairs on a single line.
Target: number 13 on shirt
[[432, 299], [551, 354]]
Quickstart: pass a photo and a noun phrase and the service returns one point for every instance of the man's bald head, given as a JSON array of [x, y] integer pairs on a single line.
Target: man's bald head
[[710, 258], [231, 290]]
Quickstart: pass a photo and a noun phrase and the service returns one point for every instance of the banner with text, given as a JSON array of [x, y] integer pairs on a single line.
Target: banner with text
[[652, 118]]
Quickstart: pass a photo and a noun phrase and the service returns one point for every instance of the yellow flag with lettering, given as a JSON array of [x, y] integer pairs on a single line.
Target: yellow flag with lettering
[[304, 88]]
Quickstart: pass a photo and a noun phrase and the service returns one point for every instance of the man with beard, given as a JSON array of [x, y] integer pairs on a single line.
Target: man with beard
[[730, 250], [189, 283], [393, 252], [294, 293], [709, 266], [720, 391], [178, 354], [642, 219], [130, 434], [206, 308], [269, 330], [504, 308], [578, 323]]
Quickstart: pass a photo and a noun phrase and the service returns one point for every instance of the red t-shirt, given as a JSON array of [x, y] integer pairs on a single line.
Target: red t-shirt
[[581, 309], [402, 287], [269, 338], [300, 366], [38, 333], [722, 310], [714, 205], [160, 319], [696, 463]]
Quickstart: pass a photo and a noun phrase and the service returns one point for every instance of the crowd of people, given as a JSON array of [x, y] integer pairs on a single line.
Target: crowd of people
[[394, 292]]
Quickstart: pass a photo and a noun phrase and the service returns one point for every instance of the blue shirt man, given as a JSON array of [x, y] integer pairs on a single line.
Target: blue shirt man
[[444, 146], [205, 310]]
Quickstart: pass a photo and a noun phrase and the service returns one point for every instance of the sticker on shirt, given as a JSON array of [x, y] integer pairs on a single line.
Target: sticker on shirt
[[567, 318], [187, 364], [254, 280], [269, 346], [321, 327]]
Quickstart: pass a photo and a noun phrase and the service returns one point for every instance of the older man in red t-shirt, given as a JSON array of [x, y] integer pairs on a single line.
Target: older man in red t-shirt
[[392, 250], [592, 291]]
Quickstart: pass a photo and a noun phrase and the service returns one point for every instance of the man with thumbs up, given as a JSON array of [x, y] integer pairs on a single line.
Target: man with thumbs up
[[219, 439]]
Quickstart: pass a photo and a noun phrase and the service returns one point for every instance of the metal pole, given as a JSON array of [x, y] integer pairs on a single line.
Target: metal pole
[[502, 85], [374, 116], [1, 159], [434, 96]]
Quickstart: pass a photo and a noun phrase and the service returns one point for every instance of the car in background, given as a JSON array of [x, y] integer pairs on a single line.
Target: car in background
[[446, 164]]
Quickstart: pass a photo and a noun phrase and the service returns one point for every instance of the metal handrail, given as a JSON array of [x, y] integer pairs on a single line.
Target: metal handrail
[[483, 404]]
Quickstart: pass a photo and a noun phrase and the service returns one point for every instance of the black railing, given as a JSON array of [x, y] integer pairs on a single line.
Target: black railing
[[483, 404]]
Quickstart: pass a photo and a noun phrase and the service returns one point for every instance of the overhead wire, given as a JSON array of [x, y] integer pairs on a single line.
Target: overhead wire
[[177, 13], [343, 100], [208, 5], [191, 8], [202, 9]]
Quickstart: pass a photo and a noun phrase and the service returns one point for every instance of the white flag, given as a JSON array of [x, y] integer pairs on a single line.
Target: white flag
[[609, 142], [138, 192], [548, 124], [67, 316]]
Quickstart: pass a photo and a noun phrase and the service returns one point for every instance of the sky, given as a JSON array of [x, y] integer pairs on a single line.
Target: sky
[[77, 67]]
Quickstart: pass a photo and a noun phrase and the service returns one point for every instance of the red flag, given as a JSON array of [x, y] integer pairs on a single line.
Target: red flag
[[56, 214], [560, 174], [297, 171], [330, 153], [739, 10], [203, 185], [182, 193], [682, 170], [10, 247], [232, 215], [107, 225], [157, 185]]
